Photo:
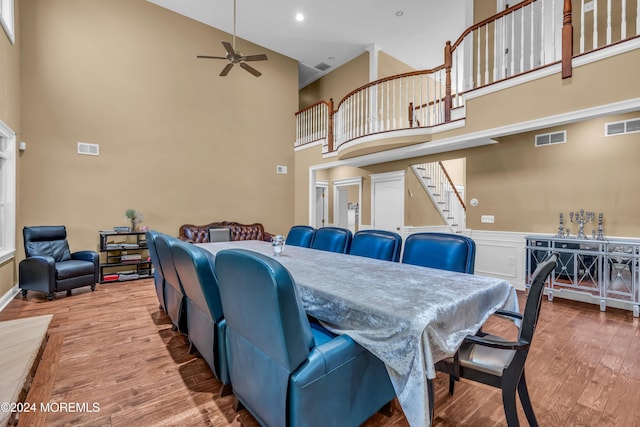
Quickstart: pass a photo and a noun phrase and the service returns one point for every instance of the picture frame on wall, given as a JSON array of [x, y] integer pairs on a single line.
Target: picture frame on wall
[[7, 19]]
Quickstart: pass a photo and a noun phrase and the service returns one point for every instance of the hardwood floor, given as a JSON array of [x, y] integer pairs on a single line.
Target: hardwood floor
[[115, 348]]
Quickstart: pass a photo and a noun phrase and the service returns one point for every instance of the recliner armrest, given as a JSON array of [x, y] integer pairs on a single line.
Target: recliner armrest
[[86, 256], [328, 357], [37, 273], [508, 314]]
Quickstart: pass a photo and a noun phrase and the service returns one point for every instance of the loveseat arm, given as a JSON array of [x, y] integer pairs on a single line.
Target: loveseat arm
[[37, 273]]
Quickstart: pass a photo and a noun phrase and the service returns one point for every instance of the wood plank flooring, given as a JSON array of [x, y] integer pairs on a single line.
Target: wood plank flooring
[[114, 348]]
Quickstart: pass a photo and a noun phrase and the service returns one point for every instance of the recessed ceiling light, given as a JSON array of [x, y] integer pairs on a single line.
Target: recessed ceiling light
[[299, 17], [399, 13]]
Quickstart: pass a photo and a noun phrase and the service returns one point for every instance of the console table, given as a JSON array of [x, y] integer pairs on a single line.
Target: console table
[[605, 272]]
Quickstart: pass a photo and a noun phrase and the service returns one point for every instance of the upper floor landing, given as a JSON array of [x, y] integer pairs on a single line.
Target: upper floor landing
[[534, 65]]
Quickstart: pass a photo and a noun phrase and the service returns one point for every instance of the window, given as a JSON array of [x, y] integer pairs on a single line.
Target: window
[[6, 18], [7, 192]]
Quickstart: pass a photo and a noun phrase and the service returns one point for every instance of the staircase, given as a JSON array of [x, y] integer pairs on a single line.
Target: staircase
[[443, 193]]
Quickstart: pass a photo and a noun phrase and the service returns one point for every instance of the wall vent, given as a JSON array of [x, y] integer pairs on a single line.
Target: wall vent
[[620, 128], [551, 138], [88, 149]]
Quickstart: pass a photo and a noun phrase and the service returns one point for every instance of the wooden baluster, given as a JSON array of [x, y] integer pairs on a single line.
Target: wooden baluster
[[567, 40], [512, 47]]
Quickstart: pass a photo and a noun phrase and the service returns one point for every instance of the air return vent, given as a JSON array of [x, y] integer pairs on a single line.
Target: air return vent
[[620, 128], [88, 149], [323, 66], [551, 138]]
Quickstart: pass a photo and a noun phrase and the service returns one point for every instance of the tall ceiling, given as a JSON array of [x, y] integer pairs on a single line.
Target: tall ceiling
[[335, 31]]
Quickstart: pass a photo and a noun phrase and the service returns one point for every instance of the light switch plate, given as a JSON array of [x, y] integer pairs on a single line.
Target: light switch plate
[[281, 169], [487, 219]]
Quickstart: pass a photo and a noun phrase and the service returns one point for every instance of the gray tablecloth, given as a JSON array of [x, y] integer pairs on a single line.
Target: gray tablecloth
[[410, 317]]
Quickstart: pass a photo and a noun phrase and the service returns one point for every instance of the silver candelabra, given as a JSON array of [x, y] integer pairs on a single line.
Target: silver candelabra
[[581, 218]]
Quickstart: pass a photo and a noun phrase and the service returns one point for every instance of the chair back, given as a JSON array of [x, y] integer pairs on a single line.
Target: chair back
[[46, 240], [332, 239], [379, 244], [444, 251], [195, 269], [158, 276], [300, 235], [534, 299], [173, 291], [268, 334]]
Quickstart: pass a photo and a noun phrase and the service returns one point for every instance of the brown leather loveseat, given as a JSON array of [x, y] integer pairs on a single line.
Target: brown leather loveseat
[[200, 233]]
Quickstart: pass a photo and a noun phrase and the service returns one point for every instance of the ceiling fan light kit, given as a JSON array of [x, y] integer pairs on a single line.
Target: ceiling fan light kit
[[235, 57]]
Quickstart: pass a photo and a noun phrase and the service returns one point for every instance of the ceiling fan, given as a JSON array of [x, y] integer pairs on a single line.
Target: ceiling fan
[[235, 57]]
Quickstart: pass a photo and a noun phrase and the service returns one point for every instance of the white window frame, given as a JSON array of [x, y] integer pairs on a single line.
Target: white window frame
[[7, 193], [7, 20]]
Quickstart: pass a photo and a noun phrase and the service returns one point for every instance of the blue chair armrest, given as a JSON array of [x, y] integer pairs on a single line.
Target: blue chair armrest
[[37, 273], [89, 256], [86, 256], [327, 357]]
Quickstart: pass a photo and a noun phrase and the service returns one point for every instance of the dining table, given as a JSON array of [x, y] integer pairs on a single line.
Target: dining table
[[409, 316]]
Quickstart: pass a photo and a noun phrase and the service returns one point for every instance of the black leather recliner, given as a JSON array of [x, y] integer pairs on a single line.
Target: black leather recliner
[[50, 266]]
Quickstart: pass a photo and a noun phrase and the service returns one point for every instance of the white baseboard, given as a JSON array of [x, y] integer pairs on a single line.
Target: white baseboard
[[7, 297]]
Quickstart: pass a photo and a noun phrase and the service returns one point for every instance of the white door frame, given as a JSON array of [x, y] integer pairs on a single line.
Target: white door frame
[[325, 203], [382, 177], [337, 186]]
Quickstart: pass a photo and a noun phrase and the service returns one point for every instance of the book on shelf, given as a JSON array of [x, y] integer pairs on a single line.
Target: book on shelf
[[131, 276], [131, 257], [121, 246], [110, 277]]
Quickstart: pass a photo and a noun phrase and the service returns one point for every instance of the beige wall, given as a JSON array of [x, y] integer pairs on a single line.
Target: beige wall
[[177, 142], [390, 66], [338, 83], [10, 115]]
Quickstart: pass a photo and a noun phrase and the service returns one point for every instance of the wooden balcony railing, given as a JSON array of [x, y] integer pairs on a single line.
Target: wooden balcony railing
[[523, 38]]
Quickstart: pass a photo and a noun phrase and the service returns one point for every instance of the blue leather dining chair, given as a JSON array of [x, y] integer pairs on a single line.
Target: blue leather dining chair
[[379, 244], [332, 239], [174, 298], [284, 372], [158, 276], [444, 251], [205, 319], [300, 235]]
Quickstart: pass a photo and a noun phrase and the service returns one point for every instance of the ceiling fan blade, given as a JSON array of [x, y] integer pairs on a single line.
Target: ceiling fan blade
[[251, 69], [228, 48], [260, 57], [226, 69], [210, 57]]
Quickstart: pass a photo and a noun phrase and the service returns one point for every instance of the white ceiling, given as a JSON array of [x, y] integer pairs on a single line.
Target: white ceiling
[[336, 31]]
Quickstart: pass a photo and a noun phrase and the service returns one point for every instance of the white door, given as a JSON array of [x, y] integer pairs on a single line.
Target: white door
[[341, 219], [322, 205], [387, 201]]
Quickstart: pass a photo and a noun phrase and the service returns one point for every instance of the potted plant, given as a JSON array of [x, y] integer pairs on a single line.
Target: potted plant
[[135, 218]]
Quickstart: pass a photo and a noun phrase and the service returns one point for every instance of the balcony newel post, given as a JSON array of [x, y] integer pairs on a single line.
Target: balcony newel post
[[330, 138], [567, 40], [447, 66]]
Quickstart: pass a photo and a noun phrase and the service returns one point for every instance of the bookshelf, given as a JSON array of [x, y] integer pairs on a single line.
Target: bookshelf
[[124, 256]]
